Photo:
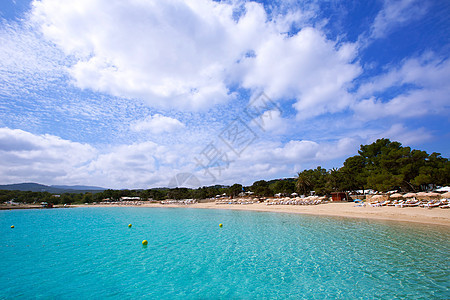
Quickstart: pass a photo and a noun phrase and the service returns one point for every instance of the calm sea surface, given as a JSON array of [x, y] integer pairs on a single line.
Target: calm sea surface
[[91, 253]]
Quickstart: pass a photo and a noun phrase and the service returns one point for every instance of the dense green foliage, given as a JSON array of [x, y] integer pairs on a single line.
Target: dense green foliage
[[382, 166]]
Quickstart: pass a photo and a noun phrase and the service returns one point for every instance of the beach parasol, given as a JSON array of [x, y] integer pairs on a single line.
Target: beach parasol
[[396, 195], [427, 196], [421, 195], [445, 195], [409, 195], [433, 195], [376, 198]]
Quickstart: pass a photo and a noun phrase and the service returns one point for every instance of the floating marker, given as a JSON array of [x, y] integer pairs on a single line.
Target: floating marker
[[12, 226], [129, 225], [144, 242], [220, 225]]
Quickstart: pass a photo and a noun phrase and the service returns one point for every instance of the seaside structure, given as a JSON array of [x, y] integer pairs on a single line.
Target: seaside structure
[[339, 196]]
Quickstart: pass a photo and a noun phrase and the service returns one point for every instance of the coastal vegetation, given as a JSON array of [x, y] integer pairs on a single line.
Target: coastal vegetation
[[382, 166]]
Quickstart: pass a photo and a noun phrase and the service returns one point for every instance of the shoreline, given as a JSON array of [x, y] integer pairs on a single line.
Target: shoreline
[[434, 216], [344, 210]]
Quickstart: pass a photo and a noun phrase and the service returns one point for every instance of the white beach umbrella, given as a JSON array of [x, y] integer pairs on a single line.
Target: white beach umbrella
[[396, 195], [409, 195], [376, 198], [422, 195], [433, 195], [428, 196], [445, 195]]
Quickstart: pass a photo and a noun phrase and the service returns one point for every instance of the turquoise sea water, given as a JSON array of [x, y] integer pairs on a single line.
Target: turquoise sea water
[[91, 253]]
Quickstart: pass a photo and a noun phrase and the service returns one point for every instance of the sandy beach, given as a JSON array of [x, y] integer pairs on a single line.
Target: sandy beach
[[435, 216]]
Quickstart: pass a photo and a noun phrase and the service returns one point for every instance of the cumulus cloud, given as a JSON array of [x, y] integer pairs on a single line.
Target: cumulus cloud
[[423, 83], [157, 124], [136, 165], [269, 160], [404, 135], [50, 159], [171, 53], [273, 122], [40, 158], [187, 54], [306, 67]]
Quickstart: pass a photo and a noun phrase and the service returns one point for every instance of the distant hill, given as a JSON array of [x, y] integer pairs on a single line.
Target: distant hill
[[78, 187], [54, 189]]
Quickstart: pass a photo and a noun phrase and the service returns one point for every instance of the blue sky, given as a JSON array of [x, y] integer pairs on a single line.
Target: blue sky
[[128, 95]]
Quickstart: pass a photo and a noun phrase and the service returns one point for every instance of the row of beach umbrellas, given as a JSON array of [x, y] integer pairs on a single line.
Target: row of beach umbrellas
[[421, 195]]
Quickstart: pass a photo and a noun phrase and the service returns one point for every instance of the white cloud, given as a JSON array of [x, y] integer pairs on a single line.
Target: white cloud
[[272, 122], [48, 159], [269, 160], [306, 67], [399, 133], [157, 124], [52, 160], [135, 165], [396, 13], [171, 53], [40, 158], [425, 90], [186, 54], [27, 62]]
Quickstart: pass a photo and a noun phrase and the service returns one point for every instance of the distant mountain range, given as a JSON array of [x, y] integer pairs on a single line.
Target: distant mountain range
[[54, 189]]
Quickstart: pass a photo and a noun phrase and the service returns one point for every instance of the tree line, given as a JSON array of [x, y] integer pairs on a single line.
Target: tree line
[[381, 166]]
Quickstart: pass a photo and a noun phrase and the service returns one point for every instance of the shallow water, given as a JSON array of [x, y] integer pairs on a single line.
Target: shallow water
[[91, 253]]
